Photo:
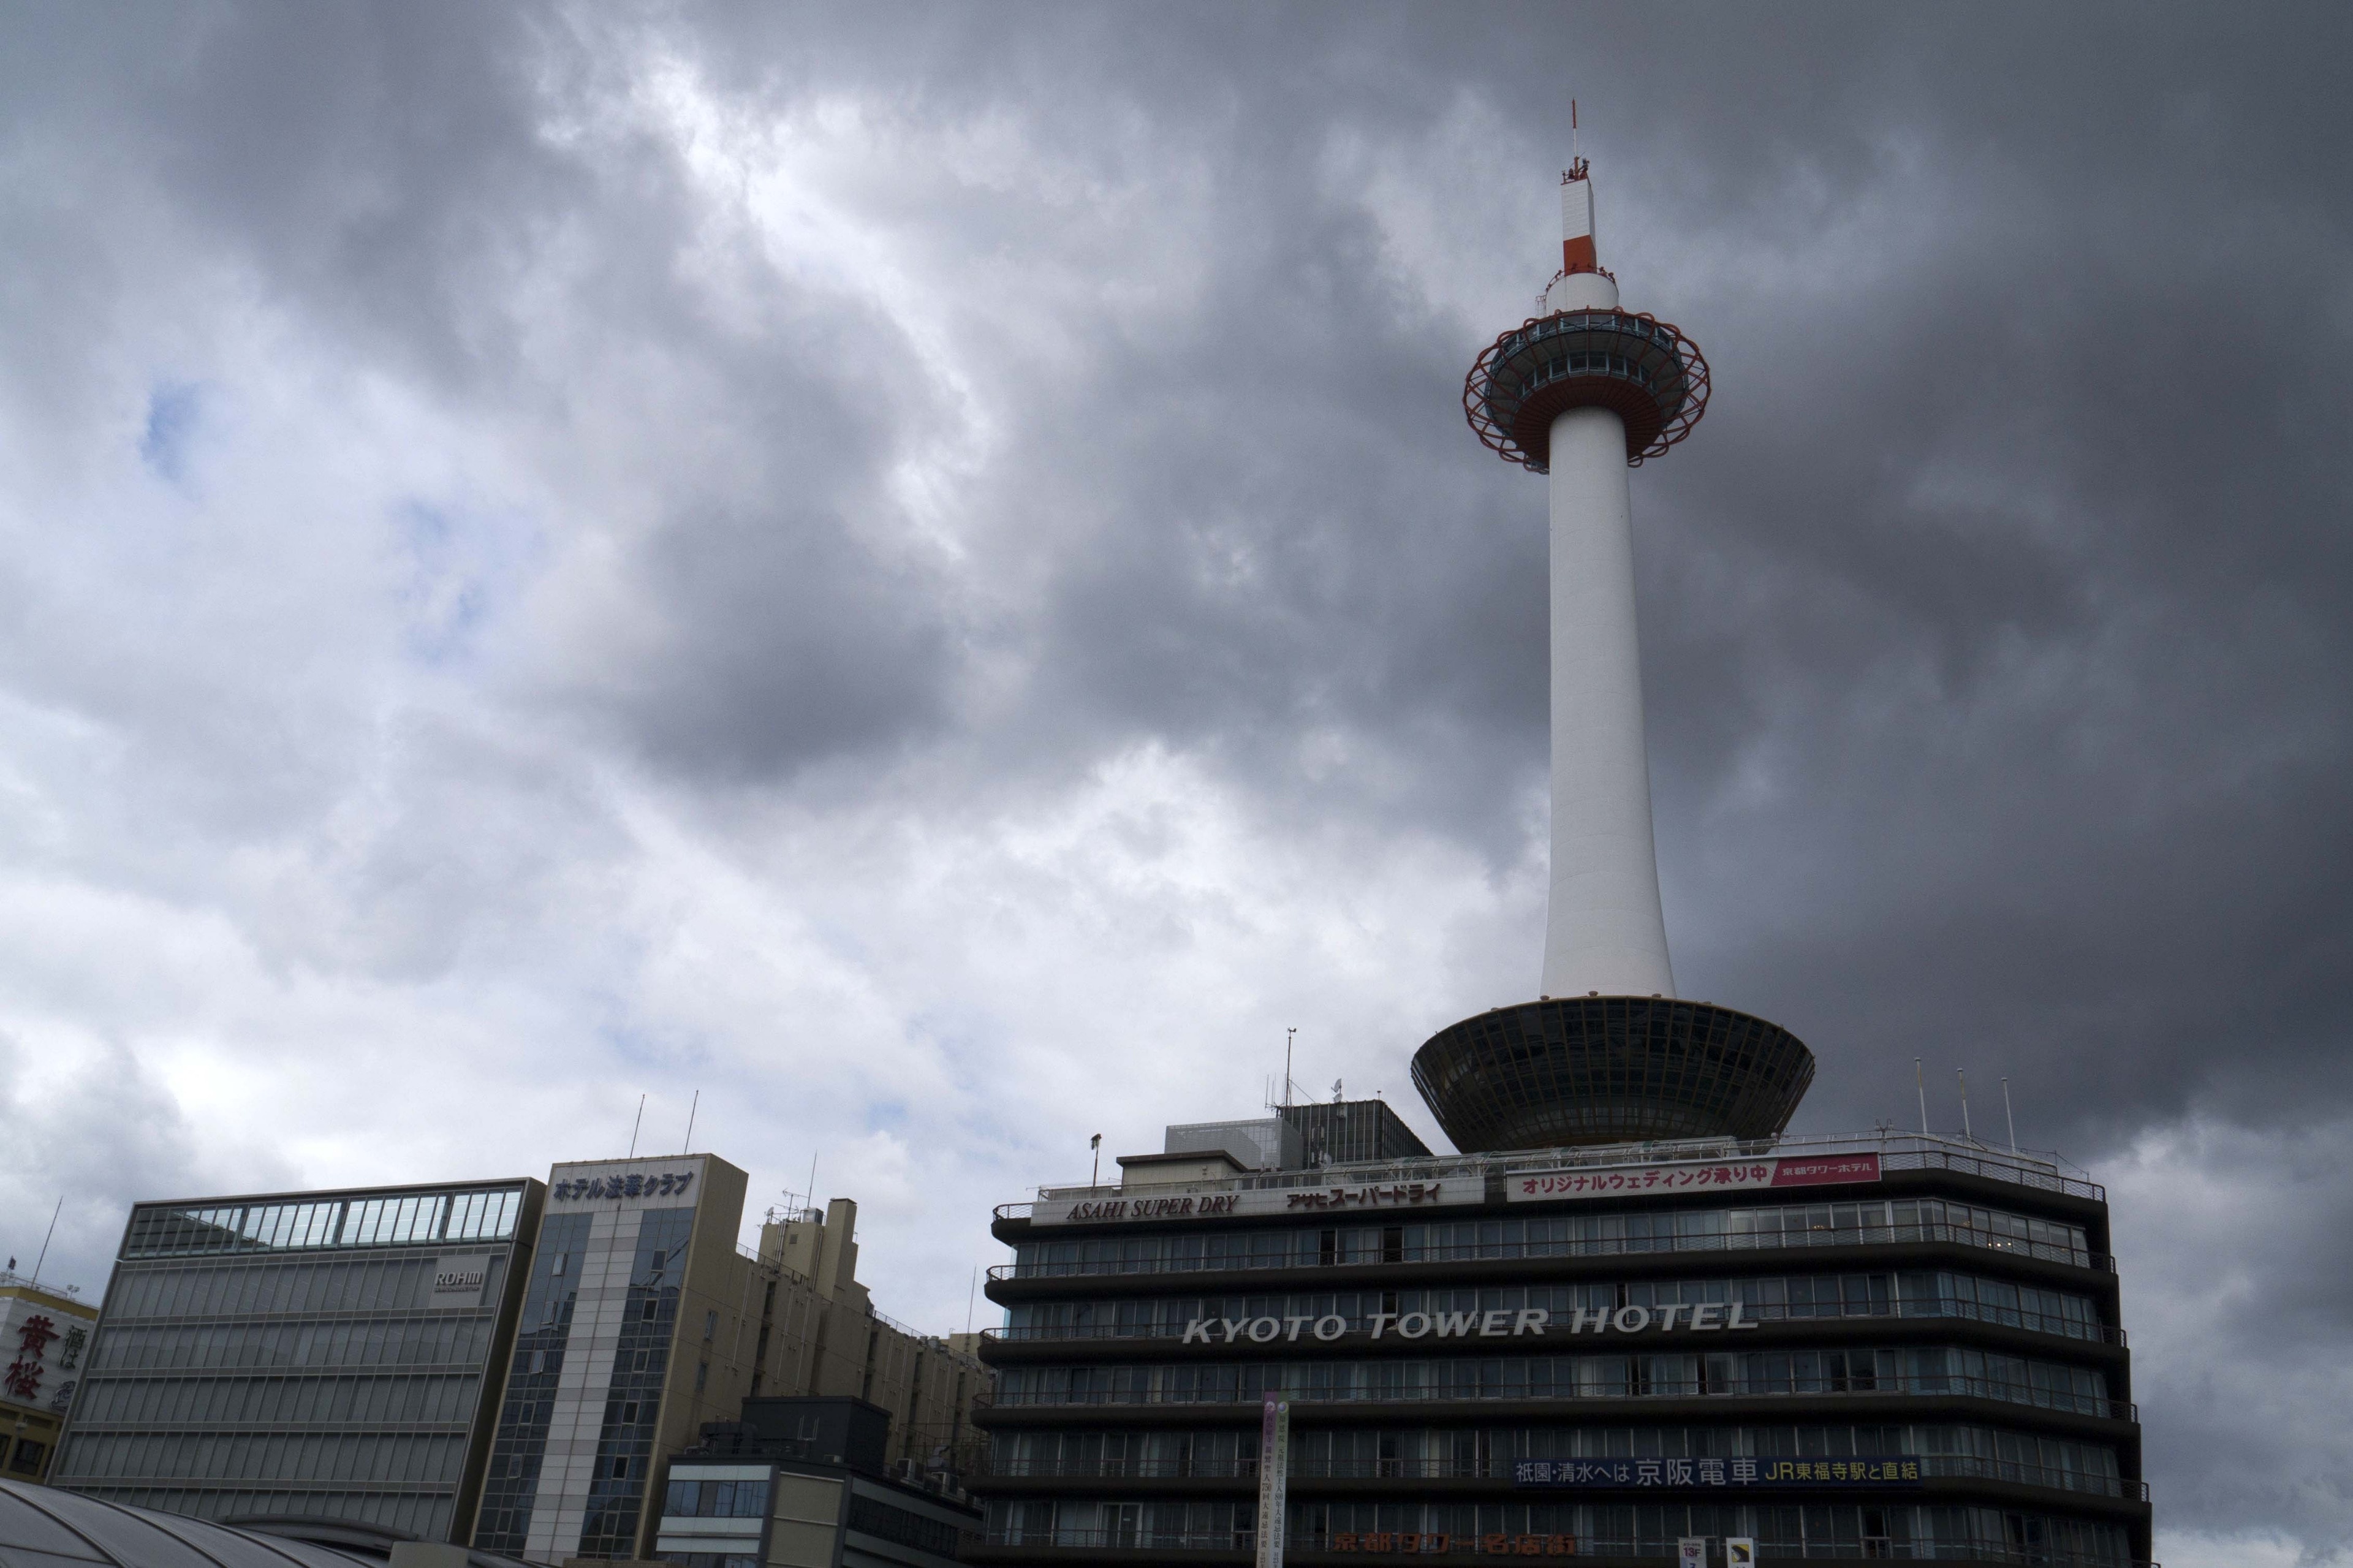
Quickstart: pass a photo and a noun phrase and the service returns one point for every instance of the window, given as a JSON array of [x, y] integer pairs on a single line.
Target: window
[[710, 1327], [702, 1374], [28, 1457], [653, 1309], [717, 1499]]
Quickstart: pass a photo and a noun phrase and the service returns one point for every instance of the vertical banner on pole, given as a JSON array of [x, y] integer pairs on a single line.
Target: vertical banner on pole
[[1273, 1476], [1740, 1551], [1691, 1551]]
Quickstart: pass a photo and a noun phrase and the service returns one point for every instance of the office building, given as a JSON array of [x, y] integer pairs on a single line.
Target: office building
[[1891, 1346], [44, 1336], [1631, 1321], [802, 1483], [824, 1336], [328, 1354], [1351, 1131], [634, 1301], [505, 1363], [645, 1321]]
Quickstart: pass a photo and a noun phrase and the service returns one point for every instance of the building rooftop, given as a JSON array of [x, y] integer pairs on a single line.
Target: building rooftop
[[2046, 1172]]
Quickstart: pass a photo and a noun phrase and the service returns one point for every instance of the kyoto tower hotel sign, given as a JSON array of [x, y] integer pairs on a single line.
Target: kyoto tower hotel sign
[[1583, 392]]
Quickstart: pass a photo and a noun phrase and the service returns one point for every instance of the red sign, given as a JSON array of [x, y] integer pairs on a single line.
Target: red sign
[[23, 1378], [1714, 1175], [1824, 1170]]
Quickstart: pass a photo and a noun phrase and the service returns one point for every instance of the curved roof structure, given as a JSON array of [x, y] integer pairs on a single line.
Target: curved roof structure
[[42, 1527], [1572, 1071]]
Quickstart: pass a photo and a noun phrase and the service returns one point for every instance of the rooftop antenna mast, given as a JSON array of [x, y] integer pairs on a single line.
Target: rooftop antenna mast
[[1972, 1137], [1289, 1035], [1920, 1082], [44, 1257], [636, 1125], [2010, 1116]]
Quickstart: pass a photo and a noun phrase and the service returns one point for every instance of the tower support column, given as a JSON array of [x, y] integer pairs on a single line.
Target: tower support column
[[1606, 931]]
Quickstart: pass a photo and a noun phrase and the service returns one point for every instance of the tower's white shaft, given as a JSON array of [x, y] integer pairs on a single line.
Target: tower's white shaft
[[1605, 933]]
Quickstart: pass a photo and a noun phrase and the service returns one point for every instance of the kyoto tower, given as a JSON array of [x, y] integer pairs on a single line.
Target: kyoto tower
[[1583, 392]]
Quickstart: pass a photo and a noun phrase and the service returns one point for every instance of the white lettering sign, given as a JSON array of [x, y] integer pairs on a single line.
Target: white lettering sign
[[625, 1185], [1502, 1322], [1714, 1175], [1144, 1209], [458, 1282]]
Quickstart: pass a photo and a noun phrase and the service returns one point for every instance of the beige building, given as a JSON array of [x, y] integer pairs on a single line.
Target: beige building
[[44, 1337], [645, 1320], [820, 1334]]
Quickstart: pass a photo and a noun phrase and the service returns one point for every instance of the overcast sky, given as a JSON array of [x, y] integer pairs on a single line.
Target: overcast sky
[[919, 571]]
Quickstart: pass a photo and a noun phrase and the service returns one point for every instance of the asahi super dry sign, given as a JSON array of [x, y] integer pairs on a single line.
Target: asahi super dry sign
[[1320, 1202]]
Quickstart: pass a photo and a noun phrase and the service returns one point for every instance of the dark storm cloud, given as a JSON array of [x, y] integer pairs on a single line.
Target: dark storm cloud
[[398, 175], [1995, 620], [803, 647]]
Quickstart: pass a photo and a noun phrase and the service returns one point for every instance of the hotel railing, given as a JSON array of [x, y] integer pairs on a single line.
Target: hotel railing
[[1942, 1309], [1896, 1152], [1599, 1247], [1962, 1467], [1510, 1545], [1876, 1386]]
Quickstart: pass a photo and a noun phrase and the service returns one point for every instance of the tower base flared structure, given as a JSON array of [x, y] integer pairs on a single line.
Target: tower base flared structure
[[1610, 1069]]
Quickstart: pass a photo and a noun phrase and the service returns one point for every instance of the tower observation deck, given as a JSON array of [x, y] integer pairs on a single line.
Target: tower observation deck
[[1583, 392]]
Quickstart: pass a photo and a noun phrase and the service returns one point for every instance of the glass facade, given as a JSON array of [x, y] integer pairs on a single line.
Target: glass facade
[[611, 1354], [322, 1354], [1372, 1453], [1935, 1369], [1351, 1132], [1611, 1233], [1615, 1530], [623, 1457], [309, 1224], [1919, 1363], [1912, 1293]]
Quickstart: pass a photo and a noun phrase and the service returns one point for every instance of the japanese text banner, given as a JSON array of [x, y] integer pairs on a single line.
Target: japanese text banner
[[1709, 1175], [1771, 1470]]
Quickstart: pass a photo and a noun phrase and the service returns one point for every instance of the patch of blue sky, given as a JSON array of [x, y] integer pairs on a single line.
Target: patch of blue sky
[[464, 566], [175, 409]]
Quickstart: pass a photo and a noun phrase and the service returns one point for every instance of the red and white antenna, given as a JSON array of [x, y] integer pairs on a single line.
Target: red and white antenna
[[1576, 252]]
